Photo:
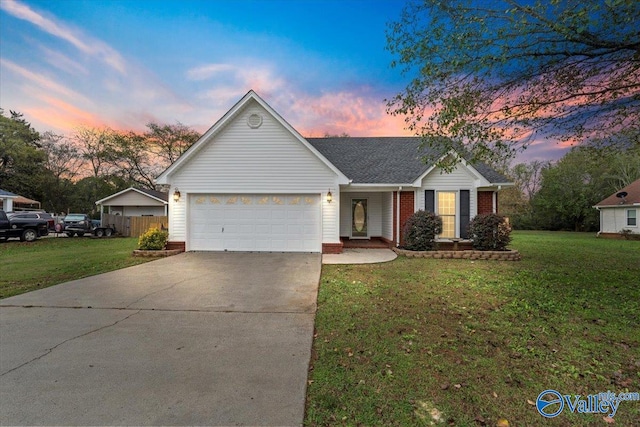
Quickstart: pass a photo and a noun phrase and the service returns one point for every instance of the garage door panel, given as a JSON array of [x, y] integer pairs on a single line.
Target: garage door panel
[[278, 215], [245, 222], [295, 230]]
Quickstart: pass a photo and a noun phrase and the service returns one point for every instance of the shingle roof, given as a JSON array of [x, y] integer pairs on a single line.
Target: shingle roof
[[157, 194], [384, 160], [632, 197]]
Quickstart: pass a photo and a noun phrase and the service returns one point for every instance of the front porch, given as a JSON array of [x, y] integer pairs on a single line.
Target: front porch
[[381, 243], [372, 243]]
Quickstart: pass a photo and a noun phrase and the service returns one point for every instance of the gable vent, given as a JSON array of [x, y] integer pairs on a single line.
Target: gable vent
[[254, 121]]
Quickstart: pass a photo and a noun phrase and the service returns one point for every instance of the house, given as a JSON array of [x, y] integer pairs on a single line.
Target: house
[[135, 202], [6, 200], [620, 211], [10, 202], [253, 183]]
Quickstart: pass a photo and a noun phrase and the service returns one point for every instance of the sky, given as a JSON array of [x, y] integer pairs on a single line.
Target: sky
[[322, 65]]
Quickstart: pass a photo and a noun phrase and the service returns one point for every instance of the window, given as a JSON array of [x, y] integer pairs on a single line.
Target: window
[[447, 211], [632, 218]]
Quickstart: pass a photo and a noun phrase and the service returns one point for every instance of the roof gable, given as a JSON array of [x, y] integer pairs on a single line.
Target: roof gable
[[388, 160], [632, 197], [156, 196], [221, 124]]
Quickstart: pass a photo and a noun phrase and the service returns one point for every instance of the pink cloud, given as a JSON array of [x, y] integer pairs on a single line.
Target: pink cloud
[[41, 80], [83, 43], [357, 114]]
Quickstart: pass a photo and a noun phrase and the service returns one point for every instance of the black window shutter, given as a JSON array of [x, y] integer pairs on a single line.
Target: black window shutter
[[430, 200], [465, 211]]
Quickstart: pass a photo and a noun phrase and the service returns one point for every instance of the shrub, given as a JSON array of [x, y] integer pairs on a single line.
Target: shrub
[[153, 240], [490, 232], [420, 231]]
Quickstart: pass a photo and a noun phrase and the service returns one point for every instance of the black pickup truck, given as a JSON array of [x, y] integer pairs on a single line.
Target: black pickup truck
[[26, 229]]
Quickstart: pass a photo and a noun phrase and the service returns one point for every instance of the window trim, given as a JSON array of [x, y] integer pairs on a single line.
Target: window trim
[[456, 214], [635, 217]]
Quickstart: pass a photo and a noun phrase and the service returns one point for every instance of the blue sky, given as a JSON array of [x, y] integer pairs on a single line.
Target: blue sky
[[122, 63]]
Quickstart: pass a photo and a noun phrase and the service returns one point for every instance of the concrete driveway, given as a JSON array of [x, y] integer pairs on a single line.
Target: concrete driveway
[[194, 339]]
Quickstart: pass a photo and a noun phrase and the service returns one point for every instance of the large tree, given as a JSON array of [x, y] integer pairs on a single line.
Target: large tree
[[21, 157], [168, 142], [494, 76]]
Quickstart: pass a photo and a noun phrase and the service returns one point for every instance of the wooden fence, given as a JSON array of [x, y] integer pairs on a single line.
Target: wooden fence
[[134, 226]]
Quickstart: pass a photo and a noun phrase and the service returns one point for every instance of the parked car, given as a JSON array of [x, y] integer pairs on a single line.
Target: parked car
[[27, 229], [34, 215]]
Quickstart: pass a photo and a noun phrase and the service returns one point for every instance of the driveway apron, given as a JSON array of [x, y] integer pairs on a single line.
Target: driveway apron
[[194, 339]]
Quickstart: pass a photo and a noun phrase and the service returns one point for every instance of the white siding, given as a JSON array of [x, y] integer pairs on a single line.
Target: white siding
[[459, 179], [387, 215], [133, 198], [612, 220], [268, 159], [374, 206]]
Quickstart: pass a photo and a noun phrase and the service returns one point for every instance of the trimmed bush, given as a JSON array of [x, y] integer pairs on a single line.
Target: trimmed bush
[[420, 231], [490, 232], [153, 240]]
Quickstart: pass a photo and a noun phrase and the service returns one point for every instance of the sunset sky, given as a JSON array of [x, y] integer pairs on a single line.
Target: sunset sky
[[321, 64]]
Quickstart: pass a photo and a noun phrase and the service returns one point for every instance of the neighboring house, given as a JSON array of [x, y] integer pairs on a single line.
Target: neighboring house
[[10, 202], [253, 183], [620, 211], [6, 200], [135, 202]]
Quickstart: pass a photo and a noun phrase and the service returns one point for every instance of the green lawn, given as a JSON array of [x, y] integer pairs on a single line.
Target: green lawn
[[478, 341], [46, 262]]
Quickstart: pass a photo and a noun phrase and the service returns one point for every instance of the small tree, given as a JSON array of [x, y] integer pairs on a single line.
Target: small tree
[[490, 232], [153, 240], [420, 231]]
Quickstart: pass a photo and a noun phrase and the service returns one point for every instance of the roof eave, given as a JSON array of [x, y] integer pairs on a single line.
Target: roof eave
[[626, 205]]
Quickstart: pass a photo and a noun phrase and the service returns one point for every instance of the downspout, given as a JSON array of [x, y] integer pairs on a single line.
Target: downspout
[[398, 217]]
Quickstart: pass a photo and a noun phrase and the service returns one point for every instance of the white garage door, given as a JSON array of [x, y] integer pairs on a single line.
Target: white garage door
[[255, 222]]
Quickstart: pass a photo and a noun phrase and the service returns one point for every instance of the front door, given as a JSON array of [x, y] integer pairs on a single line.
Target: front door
[[359, 213]]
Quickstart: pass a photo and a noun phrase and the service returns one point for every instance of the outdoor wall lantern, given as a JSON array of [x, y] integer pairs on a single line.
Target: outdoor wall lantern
[[176, 195], [329, 196]]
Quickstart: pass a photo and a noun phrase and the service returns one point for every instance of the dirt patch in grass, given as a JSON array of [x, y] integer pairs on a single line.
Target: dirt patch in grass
[[478, 341]]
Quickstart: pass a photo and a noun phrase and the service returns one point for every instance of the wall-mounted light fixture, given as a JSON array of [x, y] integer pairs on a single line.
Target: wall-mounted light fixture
[[176, 195], [329, 196]]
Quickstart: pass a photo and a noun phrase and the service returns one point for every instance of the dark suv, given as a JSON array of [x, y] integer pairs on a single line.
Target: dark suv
[[34, 215]]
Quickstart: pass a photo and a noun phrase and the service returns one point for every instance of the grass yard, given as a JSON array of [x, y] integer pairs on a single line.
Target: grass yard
[[478, 341], [46, 262]]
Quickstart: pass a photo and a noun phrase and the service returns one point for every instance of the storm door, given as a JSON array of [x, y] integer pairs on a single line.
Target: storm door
[[359, 214]]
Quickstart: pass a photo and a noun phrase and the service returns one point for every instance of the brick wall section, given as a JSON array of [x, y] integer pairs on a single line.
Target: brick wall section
[[406, 210], [485, 202], [332, 248], [175, 245]]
